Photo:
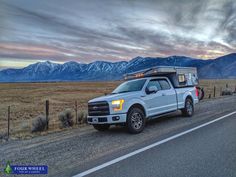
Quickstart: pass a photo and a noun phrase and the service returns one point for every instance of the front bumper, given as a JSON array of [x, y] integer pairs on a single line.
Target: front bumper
[[109, 119]]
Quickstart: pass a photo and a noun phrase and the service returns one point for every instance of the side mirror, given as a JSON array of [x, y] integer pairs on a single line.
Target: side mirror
[[152, 89]]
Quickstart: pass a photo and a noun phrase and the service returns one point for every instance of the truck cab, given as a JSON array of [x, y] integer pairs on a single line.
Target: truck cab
[[138, 99]]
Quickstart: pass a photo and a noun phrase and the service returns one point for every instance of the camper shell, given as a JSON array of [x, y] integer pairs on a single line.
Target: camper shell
[[179, 76]]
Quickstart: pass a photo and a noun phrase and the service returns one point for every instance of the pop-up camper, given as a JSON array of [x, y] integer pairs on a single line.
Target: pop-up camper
[[179, 76]]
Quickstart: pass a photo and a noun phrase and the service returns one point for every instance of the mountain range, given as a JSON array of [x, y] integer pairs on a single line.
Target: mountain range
[[220, 68]]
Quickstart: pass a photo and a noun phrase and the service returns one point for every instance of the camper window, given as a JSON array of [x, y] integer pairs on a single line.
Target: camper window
[[182, 79]]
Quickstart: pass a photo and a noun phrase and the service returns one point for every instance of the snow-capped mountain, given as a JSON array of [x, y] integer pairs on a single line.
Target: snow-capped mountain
[[219, 68]]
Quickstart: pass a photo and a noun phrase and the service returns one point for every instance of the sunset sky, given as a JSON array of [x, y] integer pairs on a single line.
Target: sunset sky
[[114, 30]]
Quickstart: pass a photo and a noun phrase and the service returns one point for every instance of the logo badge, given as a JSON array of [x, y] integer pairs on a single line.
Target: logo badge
[[8, 169], [25, 169], [95, 107]]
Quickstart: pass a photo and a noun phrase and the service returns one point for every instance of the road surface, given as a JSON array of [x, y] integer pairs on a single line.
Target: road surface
[[209, 150]]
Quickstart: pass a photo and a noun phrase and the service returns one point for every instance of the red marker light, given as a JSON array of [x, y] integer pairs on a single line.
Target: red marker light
[[196, 91]]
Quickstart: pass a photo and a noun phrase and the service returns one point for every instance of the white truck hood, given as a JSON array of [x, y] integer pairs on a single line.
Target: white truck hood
[[111, 97]]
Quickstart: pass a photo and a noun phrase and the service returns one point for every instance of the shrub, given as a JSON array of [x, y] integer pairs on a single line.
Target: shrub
[[227, 91], [39, 123], [85, 117], [82, 117], [66, 118]]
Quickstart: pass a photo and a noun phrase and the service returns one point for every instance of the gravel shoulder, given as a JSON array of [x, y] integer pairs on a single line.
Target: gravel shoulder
[[69, 152]]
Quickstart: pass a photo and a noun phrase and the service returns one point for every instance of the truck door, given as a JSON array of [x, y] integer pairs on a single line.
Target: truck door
[[152, 99], [168, 96], [163, 100]]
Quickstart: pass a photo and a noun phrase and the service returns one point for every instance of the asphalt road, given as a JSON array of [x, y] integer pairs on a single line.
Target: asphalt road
[[73, 151], [209, 151]]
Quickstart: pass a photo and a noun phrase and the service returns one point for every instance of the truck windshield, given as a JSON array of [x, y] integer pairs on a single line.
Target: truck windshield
[[130, 86]]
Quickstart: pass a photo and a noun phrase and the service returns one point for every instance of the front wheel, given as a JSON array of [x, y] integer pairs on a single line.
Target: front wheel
[[101, 127], [188, 109], [135, 120]]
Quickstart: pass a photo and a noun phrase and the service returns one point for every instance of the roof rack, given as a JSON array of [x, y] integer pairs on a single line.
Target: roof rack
[[159, 71]]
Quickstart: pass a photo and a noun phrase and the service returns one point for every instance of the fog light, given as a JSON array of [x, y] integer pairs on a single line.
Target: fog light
[[115, 118]]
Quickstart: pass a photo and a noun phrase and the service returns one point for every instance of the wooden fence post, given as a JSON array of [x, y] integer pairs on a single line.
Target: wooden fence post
[[214, 91], [76, 112], [8, 122], [47, 113]]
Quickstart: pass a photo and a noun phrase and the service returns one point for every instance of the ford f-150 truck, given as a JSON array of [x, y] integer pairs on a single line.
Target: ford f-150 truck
[[146, 95]]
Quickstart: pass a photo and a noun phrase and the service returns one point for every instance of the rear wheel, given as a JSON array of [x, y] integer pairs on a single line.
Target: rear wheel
[[188, 109], [135, 120], [101, 127]]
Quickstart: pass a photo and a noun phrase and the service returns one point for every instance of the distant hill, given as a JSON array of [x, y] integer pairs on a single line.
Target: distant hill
[[220, 68]]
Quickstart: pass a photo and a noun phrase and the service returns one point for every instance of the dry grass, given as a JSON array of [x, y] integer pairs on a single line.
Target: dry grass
[[27, 100], [220, 85]]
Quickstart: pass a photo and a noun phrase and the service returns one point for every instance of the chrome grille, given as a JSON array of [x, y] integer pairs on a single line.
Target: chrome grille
[[100, 108]]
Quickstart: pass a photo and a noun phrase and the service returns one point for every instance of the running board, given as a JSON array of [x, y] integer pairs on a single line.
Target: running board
[[160, 115]]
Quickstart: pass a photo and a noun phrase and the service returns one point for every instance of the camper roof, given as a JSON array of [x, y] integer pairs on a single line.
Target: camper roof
[[159, 71]]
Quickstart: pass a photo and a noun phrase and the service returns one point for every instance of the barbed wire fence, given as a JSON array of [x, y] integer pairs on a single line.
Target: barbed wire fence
[[14, 125]]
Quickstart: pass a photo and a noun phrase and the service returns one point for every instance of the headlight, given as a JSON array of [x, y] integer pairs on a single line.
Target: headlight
[[117, 104]]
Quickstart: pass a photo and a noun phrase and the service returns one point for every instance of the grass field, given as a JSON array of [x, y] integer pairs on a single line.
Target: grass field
[[220, 85], [27, 100]]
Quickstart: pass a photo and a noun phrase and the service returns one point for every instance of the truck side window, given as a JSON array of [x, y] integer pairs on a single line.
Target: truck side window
[[164, 84], [154, 83]]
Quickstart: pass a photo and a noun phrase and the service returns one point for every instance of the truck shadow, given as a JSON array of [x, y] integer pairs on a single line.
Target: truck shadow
[[164, 119]]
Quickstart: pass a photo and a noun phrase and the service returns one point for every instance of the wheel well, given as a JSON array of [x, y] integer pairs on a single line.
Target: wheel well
[[137, 105], [189, 97]]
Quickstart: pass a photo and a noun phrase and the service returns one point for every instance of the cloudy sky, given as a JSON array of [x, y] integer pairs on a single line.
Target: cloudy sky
[[114, 30]]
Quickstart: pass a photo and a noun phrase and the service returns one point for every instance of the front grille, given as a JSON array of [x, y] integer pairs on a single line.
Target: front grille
[[100, 108]]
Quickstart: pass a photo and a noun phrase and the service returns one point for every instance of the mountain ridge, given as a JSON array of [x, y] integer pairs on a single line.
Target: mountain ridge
[[223, 67]]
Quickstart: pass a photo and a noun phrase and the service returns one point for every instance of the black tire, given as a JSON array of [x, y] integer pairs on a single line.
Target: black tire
[[135, 120], [188, 109], [101, 127]]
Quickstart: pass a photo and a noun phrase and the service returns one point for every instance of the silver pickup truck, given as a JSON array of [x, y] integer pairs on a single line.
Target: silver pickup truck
[[145, 96]]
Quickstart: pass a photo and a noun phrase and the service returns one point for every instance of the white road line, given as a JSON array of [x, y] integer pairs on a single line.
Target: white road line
[[149, 147]]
